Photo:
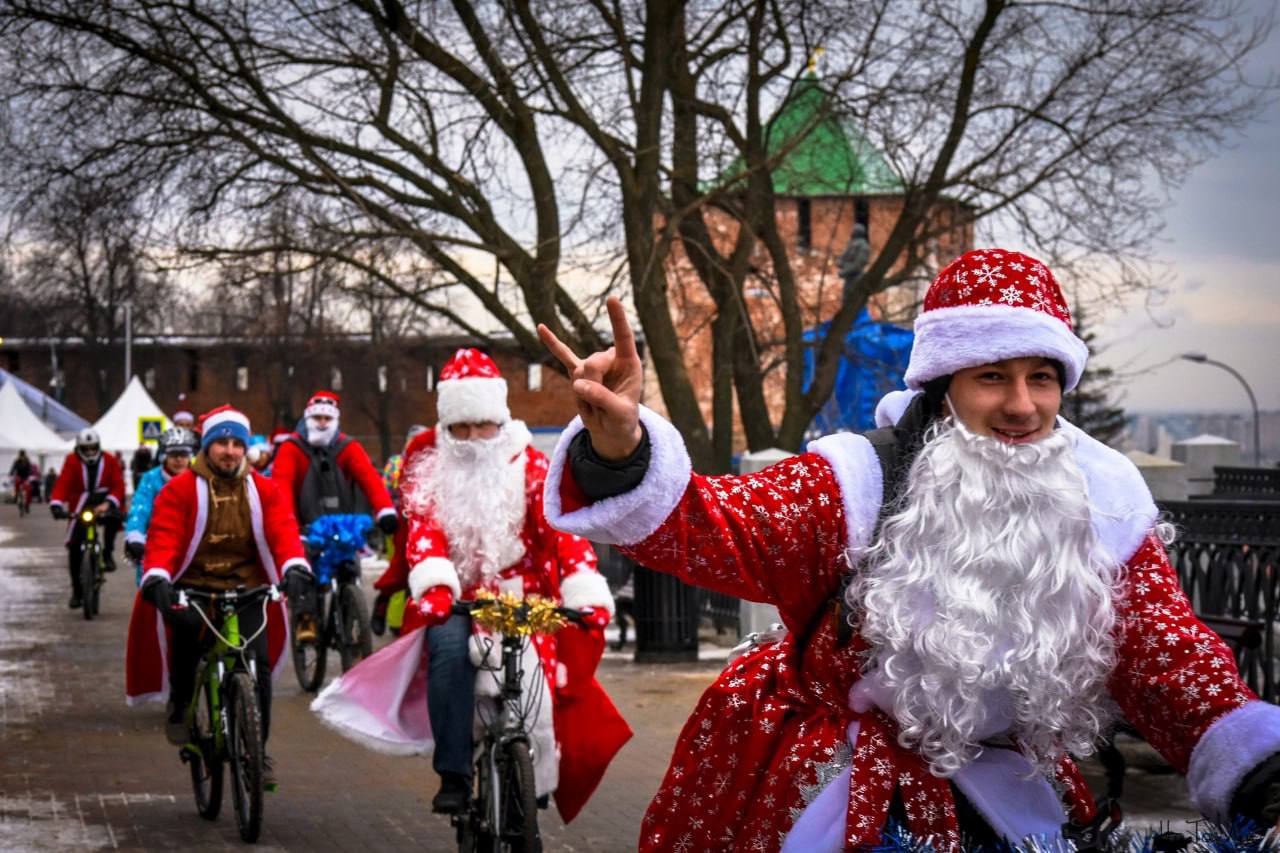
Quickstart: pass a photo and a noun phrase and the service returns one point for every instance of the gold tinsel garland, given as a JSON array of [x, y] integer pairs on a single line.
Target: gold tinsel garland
[[510, 615]]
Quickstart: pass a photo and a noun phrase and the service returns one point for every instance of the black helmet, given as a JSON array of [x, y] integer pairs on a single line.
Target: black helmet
[[178, 439]]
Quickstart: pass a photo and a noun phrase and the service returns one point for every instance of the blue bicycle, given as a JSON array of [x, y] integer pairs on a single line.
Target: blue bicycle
[[335, 540]]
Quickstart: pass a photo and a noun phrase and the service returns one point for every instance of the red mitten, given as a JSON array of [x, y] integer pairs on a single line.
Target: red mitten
[[436, 605], [595, 618]]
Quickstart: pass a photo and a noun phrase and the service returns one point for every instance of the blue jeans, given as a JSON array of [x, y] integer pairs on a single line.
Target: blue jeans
[[451, 686]]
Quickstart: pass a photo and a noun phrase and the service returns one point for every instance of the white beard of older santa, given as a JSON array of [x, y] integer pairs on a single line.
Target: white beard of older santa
[[475, 490], [987, 604]]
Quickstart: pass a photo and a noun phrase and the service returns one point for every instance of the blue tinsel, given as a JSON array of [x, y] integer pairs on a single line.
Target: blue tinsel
[[1242, 836], [337, 539]]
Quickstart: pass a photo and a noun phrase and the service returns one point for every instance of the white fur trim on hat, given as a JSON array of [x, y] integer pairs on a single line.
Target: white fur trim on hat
[[323, 406], [951, 339], [1237, 742], [586, 589], [634, 515], [473, 400], [434, 571]]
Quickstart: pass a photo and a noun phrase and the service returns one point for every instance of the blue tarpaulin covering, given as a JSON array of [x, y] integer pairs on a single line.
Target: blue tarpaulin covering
[[57, 416], [875, 360]]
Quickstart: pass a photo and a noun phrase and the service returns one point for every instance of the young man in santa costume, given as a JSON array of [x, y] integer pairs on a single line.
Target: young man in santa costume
[[1013, 587], [215, 526], [471, 491], [85, 472], [324, 471]]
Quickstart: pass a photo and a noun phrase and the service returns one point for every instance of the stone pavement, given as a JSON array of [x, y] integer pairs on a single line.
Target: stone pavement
[[79, 770]]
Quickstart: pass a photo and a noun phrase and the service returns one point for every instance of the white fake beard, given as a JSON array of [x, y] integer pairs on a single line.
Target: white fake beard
[[987, 589], [317, 437], [475, 490]]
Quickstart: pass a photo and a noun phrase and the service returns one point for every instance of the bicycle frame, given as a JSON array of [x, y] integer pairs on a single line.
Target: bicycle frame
[[219, 661]]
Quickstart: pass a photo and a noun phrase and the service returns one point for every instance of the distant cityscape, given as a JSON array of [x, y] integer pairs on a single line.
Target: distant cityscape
[[1155, 432]]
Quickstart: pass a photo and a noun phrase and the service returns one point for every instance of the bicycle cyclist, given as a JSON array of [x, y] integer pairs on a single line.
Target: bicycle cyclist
[[20, 474], [323, 471], [472, 493], [216, 526], [177, 446], [86, 471]]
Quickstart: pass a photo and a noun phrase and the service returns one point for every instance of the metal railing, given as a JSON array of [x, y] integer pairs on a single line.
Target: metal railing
[[1253, 484], [1227, 556]]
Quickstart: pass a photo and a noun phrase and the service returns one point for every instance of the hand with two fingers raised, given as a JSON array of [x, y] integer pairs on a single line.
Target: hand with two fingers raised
[[606, 386]]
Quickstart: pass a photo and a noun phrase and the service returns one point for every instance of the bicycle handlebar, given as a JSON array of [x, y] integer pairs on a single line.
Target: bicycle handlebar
[[466, 606], [186, 595]]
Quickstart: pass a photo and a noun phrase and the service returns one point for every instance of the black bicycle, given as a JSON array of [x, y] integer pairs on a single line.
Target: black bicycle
[[224, 720], [502, 813], [343, 622], [92, 556]]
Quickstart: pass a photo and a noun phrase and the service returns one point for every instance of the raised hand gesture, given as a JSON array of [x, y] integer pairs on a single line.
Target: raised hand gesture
[[607, 386]]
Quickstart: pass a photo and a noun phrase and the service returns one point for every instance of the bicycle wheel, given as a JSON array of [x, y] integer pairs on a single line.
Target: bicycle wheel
[[355, 639], [308, 657], [206, 765], [245, 752], [88, 580], [519, 829]]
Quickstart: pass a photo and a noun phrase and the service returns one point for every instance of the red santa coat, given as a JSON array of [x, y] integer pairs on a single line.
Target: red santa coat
[[291, 463], [178, 524], [775, 727], [589, 730], [72, 487]]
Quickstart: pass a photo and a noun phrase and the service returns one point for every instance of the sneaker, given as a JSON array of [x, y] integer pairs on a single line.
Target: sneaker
[[269, 782], [75, 603], [306, 628], [453, 793]]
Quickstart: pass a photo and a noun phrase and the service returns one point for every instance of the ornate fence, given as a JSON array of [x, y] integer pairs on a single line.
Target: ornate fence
[[1227, 556], [1252, 484]]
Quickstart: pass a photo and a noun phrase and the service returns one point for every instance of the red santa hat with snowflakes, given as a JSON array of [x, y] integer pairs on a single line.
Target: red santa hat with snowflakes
[[989, 305], [471, 390]]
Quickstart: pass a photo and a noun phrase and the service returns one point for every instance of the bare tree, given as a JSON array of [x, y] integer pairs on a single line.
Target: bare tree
[[79, 253], [534, 133]]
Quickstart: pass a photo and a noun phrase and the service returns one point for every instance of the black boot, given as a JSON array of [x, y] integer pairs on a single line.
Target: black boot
[[453, 793]]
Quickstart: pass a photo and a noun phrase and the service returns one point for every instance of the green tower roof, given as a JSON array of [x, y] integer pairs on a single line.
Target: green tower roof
[[820, 154]]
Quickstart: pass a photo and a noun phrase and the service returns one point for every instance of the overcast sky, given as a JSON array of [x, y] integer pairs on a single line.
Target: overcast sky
[[1223, 245]]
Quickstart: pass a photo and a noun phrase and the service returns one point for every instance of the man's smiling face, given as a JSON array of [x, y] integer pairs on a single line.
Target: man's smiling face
[[1015, 400]]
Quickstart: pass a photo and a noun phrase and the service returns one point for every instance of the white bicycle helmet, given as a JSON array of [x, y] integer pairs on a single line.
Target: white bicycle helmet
[[179, 439]]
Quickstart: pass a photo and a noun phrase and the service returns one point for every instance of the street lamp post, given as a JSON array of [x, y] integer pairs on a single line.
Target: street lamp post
[[128, 343], [1201, 358]]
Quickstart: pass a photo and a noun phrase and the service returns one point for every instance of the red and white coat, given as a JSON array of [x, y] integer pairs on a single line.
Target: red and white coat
[[289, 469], [786, 719], [178, 523], [72, 487], [381, 702]]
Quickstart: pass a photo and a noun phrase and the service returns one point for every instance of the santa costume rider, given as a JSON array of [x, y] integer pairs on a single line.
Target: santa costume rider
[[969, 598], [471, 491]]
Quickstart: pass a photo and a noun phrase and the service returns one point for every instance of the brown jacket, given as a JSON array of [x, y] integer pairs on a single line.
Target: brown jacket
[[227, 556]]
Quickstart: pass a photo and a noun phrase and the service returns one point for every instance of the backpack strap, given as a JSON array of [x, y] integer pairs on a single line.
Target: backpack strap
[[888, 447]]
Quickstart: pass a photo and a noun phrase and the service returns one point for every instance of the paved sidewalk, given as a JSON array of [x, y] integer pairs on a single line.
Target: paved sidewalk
[[79, 770]]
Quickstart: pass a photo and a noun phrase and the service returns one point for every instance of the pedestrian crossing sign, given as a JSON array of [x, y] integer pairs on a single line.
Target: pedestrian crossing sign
[[149, 429]]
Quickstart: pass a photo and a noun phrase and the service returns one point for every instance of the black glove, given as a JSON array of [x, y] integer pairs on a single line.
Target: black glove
[[159, 592], [135, 550], [387, 523], [59, 512]]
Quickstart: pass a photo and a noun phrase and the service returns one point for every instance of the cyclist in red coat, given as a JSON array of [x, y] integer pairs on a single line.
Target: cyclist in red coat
[[86, 471], [323, 471]]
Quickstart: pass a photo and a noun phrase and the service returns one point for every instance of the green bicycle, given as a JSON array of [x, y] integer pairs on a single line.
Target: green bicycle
[[224, 720]]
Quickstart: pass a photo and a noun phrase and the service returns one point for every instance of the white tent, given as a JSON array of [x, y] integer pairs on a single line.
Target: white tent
[[20, 429], [118, 428]]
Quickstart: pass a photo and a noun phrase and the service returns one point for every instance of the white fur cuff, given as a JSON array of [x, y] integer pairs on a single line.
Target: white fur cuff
[[586, 589], [434, 571], [631, 516], [856, 468], [135, 536], [390, 510], [156, 572], [1236, 743]]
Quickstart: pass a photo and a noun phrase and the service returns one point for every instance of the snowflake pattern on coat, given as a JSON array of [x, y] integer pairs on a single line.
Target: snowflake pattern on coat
[[780, 536]]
